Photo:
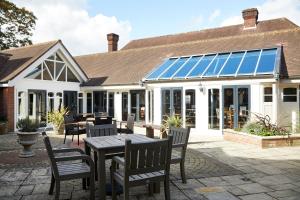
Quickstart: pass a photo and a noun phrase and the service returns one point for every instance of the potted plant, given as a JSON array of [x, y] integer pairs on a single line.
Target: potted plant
[[172, 121], [57, 119], [27, 134], [3, 126]]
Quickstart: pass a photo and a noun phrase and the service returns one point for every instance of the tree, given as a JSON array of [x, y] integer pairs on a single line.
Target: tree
[[16, 25]]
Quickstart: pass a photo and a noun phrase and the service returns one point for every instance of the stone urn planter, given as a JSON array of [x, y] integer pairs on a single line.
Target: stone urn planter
[[27, 139], [3, 127]]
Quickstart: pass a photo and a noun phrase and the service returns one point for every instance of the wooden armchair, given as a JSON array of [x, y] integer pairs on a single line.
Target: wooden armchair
[[72, 128], [62, 171], [129, 125], [144, 163], [180, 141]]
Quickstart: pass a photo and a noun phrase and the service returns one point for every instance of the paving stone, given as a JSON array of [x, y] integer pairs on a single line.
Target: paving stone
[[8, 190], [16, 175], [213, 181], [236, 179], [38, 197], [25, 190], [193, 195], [261, 196], [11, 198], [272, 180], [289, 198], [284, 193], [282, 186], [252, 188], [190, 184], [41, 188], [235, 190], [220, 196]]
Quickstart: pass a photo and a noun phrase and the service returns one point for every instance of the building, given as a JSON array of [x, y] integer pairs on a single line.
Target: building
[[212, 78]]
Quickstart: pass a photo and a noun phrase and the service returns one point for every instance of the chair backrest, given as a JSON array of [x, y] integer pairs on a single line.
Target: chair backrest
[[68, 119], [147, 157], [50, 154], [103, 120], [101, 130], [130, 121], [180, 136]]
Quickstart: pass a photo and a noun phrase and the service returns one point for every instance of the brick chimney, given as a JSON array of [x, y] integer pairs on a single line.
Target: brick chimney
[[250, 18], [112, 39]]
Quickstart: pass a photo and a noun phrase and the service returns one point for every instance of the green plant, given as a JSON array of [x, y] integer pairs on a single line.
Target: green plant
[[57, 117], [170, 121], [27, 125]]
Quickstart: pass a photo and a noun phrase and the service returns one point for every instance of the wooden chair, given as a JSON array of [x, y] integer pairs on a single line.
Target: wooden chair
[[72, 128], [144, 163], [180, 141], [62, 171], [129, 126]]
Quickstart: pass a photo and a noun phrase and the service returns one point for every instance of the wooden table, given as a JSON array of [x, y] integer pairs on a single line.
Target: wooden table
[[107, 145]]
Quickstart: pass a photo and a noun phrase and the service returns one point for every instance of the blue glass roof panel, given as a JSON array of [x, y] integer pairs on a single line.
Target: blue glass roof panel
[[155, 74], [216, 65], [201, 66], [232, 64], [267, 62], [187, 67], [170, 72], [249, 63]]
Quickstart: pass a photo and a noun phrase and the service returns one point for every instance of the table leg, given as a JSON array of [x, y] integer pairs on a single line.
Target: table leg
[[101, 175], [87, 149]]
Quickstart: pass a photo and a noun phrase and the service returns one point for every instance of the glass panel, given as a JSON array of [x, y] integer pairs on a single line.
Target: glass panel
[[177, 102], [142, 106], [166, 104], [243, 106], [161, 68], [99, 101], [89, 102], [80, 105], [267, 61], [50, 66], [138, 104], [70, 101], [134, 103], [70, 76], [214, 108], [37, 106], [124, 106], [58, 57], [59, 67], [187, 67], [190, 108], [289, 94], [249, 63], [21, 104], [62, 76], [170, 72], [51, 57], [201, 66], [216, 65], [228, 108], [50, 104], [232, 64], [111, 110], [289, 91], [36, 73], [46, 75], [268, 94]]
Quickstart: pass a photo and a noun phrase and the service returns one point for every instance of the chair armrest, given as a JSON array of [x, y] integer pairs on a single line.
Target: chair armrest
[[75, 157], [118, 160], [67, 150]]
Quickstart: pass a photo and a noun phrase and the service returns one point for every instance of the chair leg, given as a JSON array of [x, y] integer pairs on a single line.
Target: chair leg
[[78, 140], [92, 187], [84, 183], [182, 172], [65, 139], [96, 164], [126, 192], [72, 137], [52, 185], [113, 188], [167, 188], [57, 189]]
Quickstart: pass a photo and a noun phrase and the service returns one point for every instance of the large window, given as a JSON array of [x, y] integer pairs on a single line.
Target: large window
[[268, 94], [289, 94], [214, 108], [100, 101], [89, 102], [190, 108], [138, 104]]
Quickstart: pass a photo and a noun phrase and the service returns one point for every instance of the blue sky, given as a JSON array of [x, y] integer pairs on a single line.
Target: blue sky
[[82, 25]]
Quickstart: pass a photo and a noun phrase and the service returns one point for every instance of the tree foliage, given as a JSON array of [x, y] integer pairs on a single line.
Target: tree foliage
[[16, 25]]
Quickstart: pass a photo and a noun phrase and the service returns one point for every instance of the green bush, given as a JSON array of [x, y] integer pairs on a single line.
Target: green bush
[[27, 125], [57, 117]]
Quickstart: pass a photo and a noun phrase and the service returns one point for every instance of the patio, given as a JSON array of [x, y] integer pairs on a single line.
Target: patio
[[216, 169]]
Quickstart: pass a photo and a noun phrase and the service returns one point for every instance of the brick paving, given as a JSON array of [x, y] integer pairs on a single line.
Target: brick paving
[[216, 169]]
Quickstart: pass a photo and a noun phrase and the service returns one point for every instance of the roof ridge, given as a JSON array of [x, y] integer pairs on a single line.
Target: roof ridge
[[32, 45], [194, 42]]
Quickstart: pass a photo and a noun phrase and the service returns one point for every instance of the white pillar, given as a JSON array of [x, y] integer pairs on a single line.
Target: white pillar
[[147, 108], [84, 102], [118, 105], [275, 100], [183, 107], [129, 103]]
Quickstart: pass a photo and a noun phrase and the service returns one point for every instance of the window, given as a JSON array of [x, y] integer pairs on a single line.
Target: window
[[214, 108], [80, 103], [268, 94], [289, 94], [59, 97], [50, 101], [111, 110], [89, 102], [21, 104], [190, 108]]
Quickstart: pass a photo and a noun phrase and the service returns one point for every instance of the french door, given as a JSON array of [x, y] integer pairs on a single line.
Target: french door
[[171, 102], [236, 106], [37, 106]]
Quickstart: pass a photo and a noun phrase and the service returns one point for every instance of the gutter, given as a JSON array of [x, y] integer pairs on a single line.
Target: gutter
[[3, 85]]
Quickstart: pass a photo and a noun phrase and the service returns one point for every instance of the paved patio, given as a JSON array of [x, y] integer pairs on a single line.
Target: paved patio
[[216, 169]]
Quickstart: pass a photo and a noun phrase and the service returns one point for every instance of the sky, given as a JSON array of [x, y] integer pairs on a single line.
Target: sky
[[82, 25]]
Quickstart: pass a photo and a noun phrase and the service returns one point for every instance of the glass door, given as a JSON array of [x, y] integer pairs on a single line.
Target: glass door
[[171, 102], [138, 104], [190, 108], [236, 106], [214, 108], [124, 106], [70, 101], [111, 110], [37, 106]]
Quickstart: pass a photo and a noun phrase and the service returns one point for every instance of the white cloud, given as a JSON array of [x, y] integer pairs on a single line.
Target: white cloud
[[216, 13], [69, 21], [271, 9]]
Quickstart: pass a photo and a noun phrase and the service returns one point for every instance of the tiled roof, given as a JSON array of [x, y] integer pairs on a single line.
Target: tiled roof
[[20, 58], [130, 65]]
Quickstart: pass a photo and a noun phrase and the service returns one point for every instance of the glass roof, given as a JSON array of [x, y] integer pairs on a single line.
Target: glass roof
[[234, 64]]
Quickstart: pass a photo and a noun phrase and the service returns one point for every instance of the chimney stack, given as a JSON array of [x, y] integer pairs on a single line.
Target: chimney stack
[[250, 18], [112, 39]]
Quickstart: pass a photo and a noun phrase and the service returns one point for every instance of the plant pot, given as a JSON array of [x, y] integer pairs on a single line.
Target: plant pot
[[27, 139], [59, 130], [163, 134], [150, 131], [3, 128]]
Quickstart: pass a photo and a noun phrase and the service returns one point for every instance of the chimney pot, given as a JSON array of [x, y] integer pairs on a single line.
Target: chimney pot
[[250, 17], [112, 39]]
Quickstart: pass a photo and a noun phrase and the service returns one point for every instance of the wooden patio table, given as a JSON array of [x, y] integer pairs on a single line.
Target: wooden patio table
[[105, 145]]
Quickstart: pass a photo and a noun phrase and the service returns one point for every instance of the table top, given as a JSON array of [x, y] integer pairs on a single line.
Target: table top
[[115, 141]]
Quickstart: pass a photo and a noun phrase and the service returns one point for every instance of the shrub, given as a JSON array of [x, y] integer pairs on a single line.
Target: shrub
[[57, 117], [27, 125]]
